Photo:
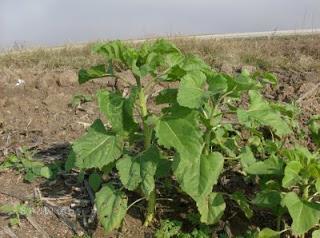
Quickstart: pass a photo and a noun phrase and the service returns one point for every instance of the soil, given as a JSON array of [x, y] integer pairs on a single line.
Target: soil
[[35, 113]]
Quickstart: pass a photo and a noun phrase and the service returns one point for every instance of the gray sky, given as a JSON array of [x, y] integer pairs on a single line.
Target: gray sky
[[54, 22]]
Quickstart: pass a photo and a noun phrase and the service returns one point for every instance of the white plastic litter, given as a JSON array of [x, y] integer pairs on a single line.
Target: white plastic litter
[[20, 82]]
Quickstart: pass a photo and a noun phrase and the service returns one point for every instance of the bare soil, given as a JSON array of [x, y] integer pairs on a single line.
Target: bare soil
[[35, 113]]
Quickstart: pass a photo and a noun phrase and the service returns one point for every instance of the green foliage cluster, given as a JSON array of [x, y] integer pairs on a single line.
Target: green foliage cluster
[[15, 212], [206, 124], [31, 168]]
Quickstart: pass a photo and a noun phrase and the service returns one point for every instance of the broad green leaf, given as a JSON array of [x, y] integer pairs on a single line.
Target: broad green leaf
[[173, 59], [271, 166], [246, 157], [242, 201], [140, 170], [163, 46], [304, 214], [98, 71], [218, 84], [316, 234], [95, 181], [268, 233], [163, 168], [291, 174], [211, 208], [198, 177], [149, 161], [168, 95], [267, 199], [111, 207], [178, 129], [117, 110], [194, 63], [241, 83], [262, 113], [97, 147], [118, 51], [191, 89], [129, 171]]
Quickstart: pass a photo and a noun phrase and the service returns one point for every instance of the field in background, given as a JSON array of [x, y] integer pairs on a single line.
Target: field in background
[[37, 89]]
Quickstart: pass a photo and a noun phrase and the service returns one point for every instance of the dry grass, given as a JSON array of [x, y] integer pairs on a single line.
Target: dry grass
[[295, 53]]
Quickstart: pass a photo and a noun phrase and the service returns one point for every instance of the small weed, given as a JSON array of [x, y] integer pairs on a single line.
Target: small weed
[[30, 167], [79, 99], [15, 212]]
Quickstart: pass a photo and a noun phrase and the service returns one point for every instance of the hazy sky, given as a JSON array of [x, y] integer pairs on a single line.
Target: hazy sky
[[52, 22]]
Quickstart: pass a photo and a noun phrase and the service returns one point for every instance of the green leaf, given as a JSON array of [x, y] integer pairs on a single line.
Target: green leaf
[[246, 157], [197, 177], [268, 233], [46, 172], [261, 112], [178, 129], [243, 203], [98, 71], [168, 95], [140, 170], [30, 176], [316, 234], [117, 110], [218, 84], [70, 162], [267, 199], [211, 208], [23, 210], [266, 77], [97, 147], [304, 214], [14, 221], [111, 207], [129, 171], [95, 181], [314, 126], [191, 89], [149, 161], [291, 174], [271, 166]]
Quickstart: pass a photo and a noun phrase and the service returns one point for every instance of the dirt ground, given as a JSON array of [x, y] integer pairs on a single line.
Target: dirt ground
[[35, 112]]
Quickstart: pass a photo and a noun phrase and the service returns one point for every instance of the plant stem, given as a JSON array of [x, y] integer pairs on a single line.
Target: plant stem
[[147, 132], [151, 208], [279, 222]]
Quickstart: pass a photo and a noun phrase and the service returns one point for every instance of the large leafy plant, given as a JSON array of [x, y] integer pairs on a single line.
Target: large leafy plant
[[183, 120]]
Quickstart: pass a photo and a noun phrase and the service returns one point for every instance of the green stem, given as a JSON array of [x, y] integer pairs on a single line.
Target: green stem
[[147, 132], [151, 208], [279, 222]]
